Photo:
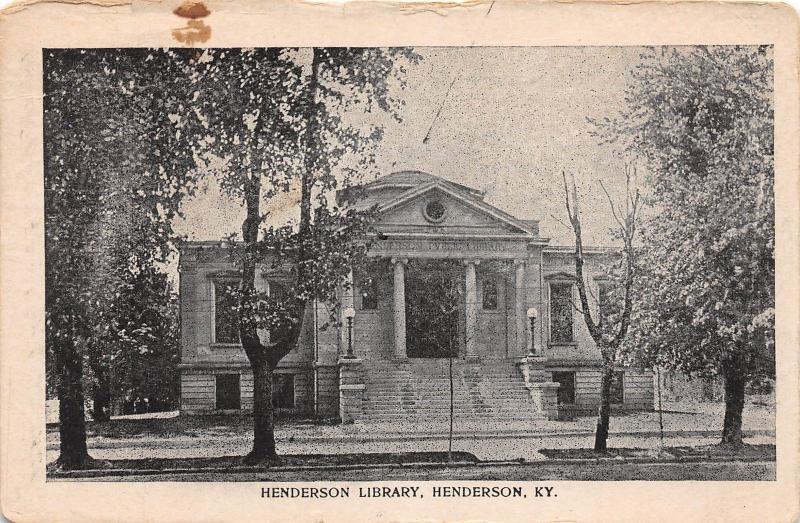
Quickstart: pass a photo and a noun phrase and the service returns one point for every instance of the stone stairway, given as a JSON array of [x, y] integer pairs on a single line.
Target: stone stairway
[[419, 390]]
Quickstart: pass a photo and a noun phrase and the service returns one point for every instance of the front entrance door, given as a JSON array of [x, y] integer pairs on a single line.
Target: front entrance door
[[434, 299]]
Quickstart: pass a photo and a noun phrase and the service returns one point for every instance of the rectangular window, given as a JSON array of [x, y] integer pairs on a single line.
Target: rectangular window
[[368, 288], [617, 388], [226, 319], [228, 392], [283, 391], [566, 392], [604, 300], [489, 289], [561, 313], [277, 291]]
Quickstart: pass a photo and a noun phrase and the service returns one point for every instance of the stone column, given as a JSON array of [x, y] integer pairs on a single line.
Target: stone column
[[471, 308], [399, 306], [523, 340]]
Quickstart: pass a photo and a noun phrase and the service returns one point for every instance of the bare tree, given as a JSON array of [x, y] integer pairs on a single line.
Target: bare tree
[[434, 320], [608, 324]]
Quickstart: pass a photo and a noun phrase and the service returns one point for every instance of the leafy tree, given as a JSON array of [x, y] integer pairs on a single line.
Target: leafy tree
[[276, 124], [702, 119], [116, 168], [140, 357]]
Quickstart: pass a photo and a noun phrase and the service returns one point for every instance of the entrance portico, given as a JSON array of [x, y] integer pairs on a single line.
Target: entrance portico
[[516, 340], [460, 275]]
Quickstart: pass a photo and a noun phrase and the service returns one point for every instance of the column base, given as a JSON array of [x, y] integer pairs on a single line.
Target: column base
[[473, 359], [544, 395], [351, 390]]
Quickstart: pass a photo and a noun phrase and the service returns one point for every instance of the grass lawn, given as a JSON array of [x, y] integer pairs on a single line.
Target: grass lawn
[[234, 463], [745, 452], [193, 426]]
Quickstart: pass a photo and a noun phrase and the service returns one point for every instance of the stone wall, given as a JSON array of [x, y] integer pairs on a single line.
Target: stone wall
[[198, 390], [327, 391], [637, 389]]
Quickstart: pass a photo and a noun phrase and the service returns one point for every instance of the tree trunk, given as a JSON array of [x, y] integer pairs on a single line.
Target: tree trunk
[[734, 405], [263, 418], [452, 403], [257, 354], [101, 393], [604, 411], [71, 414]]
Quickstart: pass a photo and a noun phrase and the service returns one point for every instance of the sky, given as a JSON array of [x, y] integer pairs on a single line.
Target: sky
[[515, 118]]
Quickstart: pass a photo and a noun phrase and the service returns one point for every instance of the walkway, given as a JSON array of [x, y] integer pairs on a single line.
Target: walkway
[[487, 440]]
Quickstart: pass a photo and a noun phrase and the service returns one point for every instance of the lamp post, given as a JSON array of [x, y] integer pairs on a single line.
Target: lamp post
[[532, 314], [349, 313]]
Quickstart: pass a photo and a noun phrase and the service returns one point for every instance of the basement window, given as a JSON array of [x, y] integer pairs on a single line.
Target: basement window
[[283, 391], [228, 392], [566, 392]]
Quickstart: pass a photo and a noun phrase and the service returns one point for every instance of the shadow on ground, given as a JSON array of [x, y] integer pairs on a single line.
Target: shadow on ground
[[717, 452]]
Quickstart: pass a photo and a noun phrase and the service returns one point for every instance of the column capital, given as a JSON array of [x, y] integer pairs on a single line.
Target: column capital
[[395, 261], [519, 262], [471, 261]]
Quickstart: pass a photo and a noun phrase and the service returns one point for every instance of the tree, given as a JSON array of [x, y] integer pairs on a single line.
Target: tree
[[433, 315], [702, 120], [140, 357], [275, 120], [609, 321], [116, 168]]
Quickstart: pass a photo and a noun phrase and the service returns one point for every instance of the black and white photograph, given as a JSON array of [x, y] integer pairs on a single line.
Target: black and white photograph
[[499, 263]]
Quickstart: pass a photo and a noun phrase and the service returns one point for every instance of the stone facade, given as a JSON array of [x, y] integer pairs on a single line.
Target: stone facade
[[501, 369]]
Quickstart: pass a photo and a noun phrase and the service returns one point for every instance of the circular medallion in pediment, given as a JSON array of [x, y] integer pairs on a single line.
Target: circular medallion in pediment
[[434, 211]]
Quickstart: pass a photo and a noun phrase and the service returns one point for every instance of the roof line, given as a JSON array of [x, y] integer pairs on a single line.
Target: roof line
[[477, 203]]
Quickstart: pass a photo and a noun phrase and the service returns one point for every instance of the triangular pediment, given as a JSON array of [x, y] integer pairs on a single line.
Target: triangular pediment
[[437, 207]]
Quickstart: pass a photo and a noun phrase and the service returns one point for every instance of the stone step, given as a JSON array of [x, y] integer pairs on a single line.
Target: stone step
[[420, 390]]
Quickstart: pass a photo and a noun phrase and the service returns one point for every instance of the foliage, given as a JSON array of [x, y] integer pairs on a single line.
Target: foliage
[[111, 188], [282, 125], [141, 344], [117, 164], [702, 120], [280, 128]]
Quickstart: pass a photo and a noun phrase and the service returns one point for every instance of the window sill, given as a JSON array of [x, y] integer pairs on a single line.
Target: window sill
[[562, 344], [226, 345]]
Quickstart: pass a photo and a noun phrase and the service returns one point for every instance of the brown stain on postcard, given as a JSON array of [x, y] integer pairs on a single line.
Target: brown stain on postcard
[[195, 30], [192, 10]]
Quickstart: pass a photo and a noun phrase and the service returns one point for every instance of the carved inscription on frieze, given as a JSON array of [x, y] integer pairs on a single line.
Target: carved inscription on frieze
[[445, 247]]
